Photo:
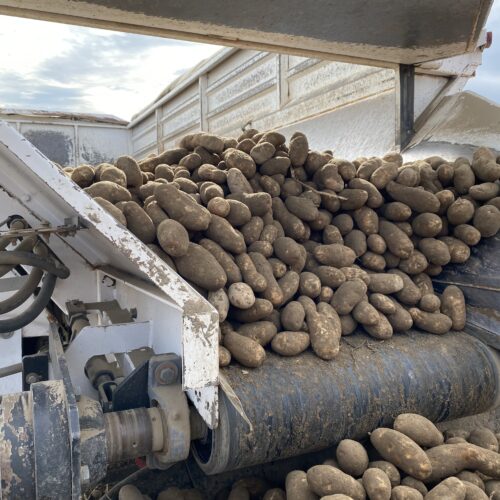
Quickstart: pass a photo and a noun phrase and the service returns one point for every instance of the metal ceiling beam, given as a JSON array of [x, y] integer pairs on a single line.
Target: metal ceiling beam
[[377, 32]]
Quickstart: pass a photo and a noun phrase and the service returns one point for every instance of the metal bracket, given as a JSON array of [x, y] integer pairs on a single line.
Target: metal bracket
[[70, 227], [406, 104], [165, 391], [77, 309]]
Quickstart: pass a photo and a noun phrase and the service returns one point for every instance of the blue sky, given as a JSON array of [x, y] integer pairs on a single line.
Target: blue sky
[[69, 68]]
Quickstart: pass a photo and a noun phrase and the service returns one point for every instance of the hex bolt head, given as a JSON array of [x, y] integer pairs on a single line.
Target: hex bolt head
[[166, 373]]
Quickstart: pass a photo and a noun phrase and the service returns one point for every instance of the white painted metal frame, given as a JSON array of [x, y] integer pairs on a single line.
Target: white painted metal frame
[[42, 193]]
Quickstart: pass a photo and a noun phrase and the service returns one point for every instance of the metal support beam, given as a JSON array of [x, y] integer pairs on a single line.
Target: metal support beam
[[406, 104]]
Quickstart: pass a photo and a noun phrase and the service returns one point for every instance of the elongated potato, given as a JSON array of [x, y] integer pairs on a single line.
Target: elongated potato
[[335, 255], [397, 241], [377, 484], [402, 452], [352, 457], [139, 222], [385, 283], [109, 191], [436, 323], [245, 350], [173, 238], [297, 487], [419, 428], [327, 480], [289, 343], [348, 295], [453, 305], [451, 489], [391, 471], [325, 340], [251, 276], [260, 331], [405, 493], [227, 262], [417, 199]]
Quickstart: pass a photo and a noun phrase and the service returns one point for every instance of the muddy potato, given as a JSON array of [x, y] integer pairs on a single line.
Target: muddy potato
[[310, 285], [279, 267], [408, 176], [460, 211], [453, 306], [409, 294], [259, 311], [355, 272], [181, 207], [223, 233], [396, 211], [416, 263], [327, 480], [241, 295], [382, 303], [290, 343], [218, 206], [274, 494], [348, 295], [419, 429], [293, 316], [367, 220], [385, 283], [380, 330], [405, 493], [467, 233], [473, 492], [297, 487], [356, 240], [331, 234], [352, 457], [292, 225], [273, 292], [471, 477], [435, 251], [429, 303], [487, 220], [401, 320], [484, 438], [427, 225], [335, 255], [411, 482], [402, 451], [220, 301], [113, 174], [391, 261], [240, 160], [173, 238], [373, 261], [114, 211], [245, 350], [109, 191], [375, 198], [344, 223], [376, 244], [303, 208], [451, 489], [226, 261], [397, 241], [365, 314], [391, 471], [237, 182], [436, 322], [138, 222], [251, 276], [131, 169], [289, 285], [83, 175], [324, 336], [200, 266], [417, 199], [446, 197], [354, 198], [260, 331], [484, 192], [377, 484], [387, 172]]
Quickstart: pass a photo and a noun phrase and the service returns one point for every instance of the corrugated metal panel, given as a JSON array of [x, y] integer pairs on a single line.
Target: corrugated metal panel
[[98, 145], [144, 135]]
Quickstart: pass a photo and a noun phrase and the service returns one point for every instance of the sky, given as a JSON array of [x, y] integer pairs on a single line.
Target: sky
[[60, 67]]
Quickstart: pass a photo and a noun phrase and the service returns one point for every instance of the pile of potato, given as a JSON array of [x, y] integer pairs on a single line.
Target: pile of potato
[[294, 247], [412, 461]]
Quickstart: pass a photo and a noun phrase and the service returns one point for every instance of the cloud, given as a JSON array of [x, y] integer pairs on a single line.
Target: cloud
[[67, 68]]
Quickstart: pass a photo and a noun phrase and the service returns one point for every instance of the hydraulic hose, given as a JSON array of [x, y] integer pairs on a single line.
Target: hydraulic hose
[[34, 310], [26, 245], [15, 258], [22, 295]]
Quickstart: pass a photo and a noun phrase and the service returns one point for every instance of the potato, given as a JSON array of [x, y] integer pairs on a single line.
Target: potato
[[173, 238], [298, 150], [331, 234], [367, 167], [377, 484], [290, 343], [289, 285], [435, 251], [460, 211], [391, 260], [260, 331], [365, 314], [259, 311], [115, 175], [348, 295], [221, 231], [409, 294], [446, 197], [200, 266], [429, 303], [397, 241], [380, 330], [419, 429], [330, 276], [83, 175], [241, 295], [352, 457], [297, 487], [232, 270], [382, 303], [328, 177], [310, 285], [376, 244], [485, 168], [344, 223], [402, 451], [218, 206], [406, 493], [453, 305], [401, 320], [273, 292], [245, 350], [182, 208], [335, 255], [408, 176], [484, 438], [436, 323], [109, 191], [391, 471], [451, 489], [484, 192], [384, 174], [139, 223], [220, 301], [237, 182], [356, 240], [239, 213], [427, 225], [486, 220], [274, 494], [292, 225], [467, 233], [354, 198], [114, 211], [375, 198], [385, 283], [322, 220], [471, 477], [373, 261], [325, 480], [302, 207], [131, 170], [396, 211], [241, 161], [492, 488], [417, 199], [251, 276], [411, 482], [473, 492], [324, 336]]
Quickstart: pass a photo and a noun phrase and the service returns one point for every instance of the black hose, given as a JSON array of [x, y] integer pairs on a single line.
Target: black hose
[[34, 310], [16, 258], [11, 370], [26, 245], [22, 295]]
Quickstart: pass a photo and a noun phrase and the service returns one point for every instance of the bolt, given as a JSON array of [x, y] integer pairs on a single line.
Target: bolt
[[166, 373], [32, 378]]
